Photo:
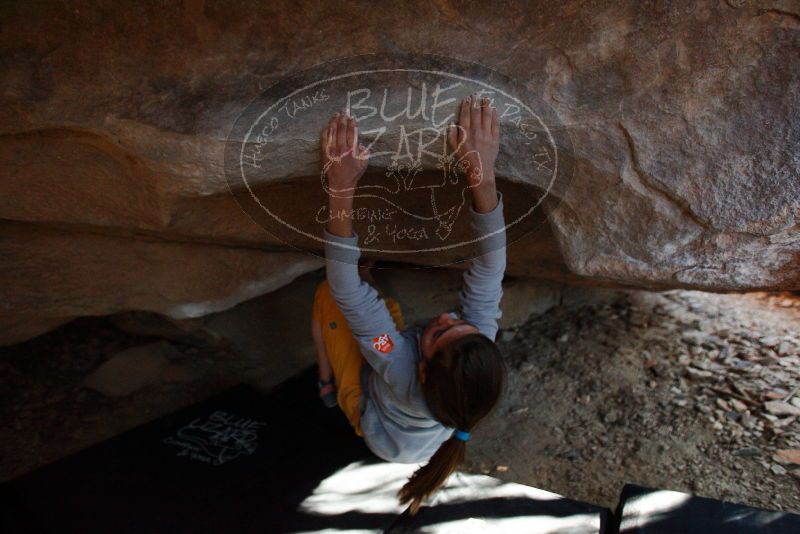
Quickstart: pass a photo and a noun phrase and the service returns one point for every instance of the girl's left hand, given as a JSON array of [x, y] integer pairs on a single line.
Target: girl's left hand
[[476, 140], [344, 160]]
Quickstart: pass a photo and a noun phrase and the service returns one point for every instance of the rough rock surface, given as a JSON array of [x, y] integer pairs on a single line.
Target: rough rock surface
[[135, 368], [53, 276], [682, 118]]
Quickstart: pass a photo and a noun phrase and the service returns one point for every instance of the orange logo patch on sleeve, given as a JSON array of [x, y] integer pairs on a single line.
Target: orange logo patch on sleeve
[[383, 343]]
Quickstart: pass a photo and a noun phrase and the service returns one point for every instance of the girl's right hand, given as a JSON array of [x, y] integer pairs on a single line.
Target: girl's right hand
[[344, 160]]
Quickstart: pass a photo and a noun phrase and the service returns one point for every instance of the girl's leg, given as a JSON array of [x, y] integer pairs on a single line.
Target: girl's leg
[[325, 371], [339, 356]]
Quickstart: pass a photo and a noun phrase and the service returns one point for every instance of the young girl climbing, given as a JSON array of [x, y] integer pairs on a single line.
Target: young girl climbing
[[423, 389]]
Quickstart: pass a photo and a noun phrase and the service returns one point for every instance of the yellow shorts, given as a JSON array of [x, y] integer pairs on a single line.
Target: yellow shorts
[[343, 350]]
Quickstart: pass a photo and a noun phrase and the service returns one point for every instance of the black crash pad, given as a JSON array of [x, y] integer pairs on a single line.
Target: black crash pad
[[651, 511], [240, 461], [244, 461]]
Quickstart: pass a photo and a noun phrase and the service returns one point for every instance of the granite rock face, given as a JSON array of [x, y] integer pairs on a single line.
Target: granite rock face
[[681, 118], [56, 275]]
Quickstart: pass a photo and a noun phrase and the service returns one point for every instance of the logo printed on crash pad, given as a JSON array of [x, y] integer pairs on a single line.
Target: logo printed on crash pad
[[383, 343], [218, 438]]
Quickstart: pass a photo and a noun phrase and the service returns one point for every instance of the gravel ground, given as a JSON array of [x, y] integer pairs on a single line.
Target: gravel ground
[[678, 390]]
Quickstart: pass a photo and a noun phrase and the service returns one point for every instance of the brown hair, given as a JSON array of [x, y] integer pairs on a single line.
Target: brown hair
[[463, 383]]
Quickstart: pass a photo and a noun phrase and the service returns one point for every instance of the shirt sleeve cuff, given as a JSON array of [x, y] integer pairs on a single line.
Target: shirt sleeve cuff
[[489, 228]]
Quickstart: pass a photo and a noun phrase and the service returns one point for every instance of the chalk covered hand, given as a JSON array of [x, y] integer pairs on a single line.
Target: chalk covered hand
[[475, 140], [344, 160]]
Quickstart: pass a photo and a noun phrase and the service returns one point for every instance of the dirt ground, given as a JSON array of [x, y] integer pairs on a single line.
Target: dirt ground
[[679, 390], [640, 390]]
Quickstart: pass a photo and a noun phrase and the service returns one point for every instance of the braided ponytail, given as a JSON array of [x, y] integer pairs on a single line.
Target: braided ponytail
[[463, 383], [428, 478]]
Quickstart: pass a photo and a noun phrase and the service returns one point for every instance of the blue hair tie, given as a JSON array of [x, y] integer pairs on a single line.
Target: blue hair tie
[[460, 434]]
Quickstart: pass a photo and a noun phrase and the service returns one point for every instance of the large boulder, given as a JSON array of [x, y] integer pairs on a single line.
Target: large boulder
[[52, 276], [680, 120]]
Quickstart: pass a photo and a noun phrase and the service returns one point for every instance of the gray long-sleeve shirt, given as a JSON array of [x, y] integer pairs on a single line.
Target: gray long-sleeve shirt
[[395, 419]]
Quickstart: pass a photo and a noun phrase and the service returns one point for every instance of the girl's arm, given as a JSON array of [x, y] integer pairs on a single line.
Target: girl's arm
[[366, 313], [482, 290], [476, 139]]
